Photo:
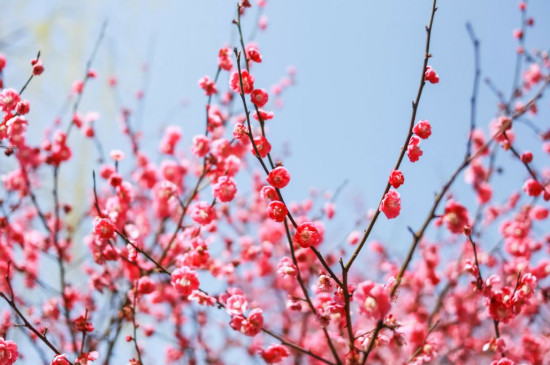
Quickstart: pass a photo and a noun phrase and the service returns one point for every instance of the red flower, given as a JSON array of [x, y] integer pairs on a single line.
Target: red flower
[[532, 187], [254, 55], [278, 177], [277, 211], [373, 299], [430, 75], [456, 217], [203, 213], [208, 85], [185, 280], [259, 97], [104, 229], [391, 204], [423, 129], [307, 235], [263, 146], [274, 353], [8, 352], [235, 82], [396, 178], [413, 150], [225, 189], [60, 360]]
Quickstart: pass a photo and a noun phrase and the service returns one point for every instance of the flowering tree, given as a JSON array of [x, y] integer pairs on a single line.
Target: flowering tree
[[174, 238]]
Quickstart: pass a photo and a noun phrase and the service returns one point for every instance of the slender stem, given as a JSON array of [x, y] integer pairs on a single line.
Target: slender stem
[[60, 258], [266, 170], [347, 309], [479, 283], [305, 291], [420, 348], [296, 347], [473, 99], [219, 304], [28, 325], [86, 75], [134, 324], [210, 100], [30, 77], [519, 57], [415, 104]]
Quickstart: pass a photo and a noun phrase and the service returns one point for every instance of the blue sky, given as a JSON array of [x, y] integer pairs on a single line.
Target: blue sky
[[357, 69], [358, 65]]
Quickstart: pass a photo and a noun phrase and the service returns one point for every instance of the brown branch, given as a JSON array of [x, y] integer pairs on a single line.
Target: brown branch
[[134, 324], [473, 99], [86, 75], [30, 77], [27, 324], [415, 104]]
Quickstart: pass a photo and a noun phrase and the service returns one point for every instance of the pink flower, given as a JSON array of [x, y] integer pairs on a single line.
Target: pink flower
[[262, 22], [373, 299], [329, 209], [354, 237], [274, 353], [307, 235], [239, 131], [201, 146], [60, 360], [423, 129], [527, 157], [278, 177], [78, 87], [277, 211], [264, 115], [164, 190], [254, 54], [286, 269], [203, 213], [413, 150], [225, 189], [456, 217], [146, 285], [8, 352], [500, 125], [117, 155], [430, 75], [251, 326], [396, 178], [23, 107], [185, 280], [503, 361], [532, 187], [9, 99], [263, 146], [37, 68], [202, 298], [224, 59], [532, 75], [484, 192], [391, 204], [208, 85], [236, 304], [259, 97], [539, 213], [104, 229], [269, 192], [235, 82], [172, 135]]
